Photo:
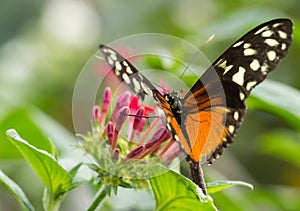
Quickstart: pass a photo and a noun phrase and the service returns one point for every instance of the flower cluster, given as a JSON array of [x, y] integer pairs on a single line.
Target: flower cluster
[[124, 145]]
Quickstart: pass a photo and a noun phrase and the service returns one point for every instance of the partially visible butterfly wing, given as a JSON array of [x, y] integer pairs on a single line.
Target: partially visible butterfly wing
[[138, 83], [215, 106], [127, 73]]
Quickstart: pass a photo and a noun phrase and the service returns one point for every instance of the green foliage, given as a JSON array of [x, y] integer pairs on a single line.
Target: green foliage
[[173, 191], [180, 194], [23, 120], [55, 178], [39, 66], [213, 187], [278, 99], [282, 144], [17, 191]]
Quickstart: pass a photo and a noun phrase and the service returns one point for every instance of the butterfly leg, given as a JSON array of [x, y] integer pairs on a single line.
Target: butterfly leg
[[197, 174]]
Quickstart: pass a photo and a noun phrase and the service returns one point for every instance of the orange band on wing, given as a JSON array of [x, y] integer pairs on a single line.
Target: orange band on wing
[[206, 132]]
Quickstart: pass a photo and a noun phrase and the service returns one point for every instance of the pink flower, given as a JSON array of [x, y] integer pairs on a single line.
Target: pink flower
[[124, 143], [105, 104], [128, 109]]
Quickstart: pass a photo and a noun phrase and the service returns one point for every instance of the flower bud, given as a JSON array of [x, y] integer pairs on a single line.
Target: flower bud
[[123, 100], [106, 99], [135, 152], [121, 117], [138, 118], [110, 132], [96, 113]]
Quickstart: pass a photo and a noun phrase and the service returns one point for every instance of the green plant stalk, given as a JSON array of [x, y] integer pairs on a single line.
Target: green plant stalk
[[49, 201], [99, 199]]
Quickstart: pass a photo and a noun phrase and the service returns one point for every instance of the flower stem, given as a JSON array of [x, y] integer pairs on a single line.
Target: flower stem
[[98, 200]]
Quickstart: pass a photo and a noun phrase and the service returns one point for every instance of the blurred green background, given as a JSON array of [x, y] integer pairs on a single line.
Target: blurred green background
[[45, 44]]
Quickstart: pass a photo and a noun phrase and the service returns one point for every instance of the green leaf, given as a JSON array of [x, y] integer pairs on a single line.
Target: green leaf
[[21, 119], [75, 169], [279, 99], [55, 178], [38, 128], [282, 144], [213, 187], [173, 191], [17, 191]]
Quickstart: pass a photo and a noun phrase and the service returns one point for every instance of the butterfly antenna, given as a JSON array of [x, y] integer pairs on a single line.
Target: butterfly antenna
[[211, 37], [140, 116]]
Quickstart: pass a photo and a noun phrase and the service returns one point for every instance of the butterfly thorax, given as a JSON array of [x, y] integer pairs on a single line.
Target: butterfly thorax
[[175, 101]]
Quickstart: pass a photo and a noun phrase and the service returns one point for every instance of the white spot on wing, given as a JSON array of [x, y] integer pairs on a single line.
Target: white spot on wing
[[231, 128], [271, 42], [146, 88], [250, 85], [242, 96], [143, 85], [125, 63], [140, 76], [267, 33], [136, 85], [271, 55], [227, 68], [238, 44], [239, 76], [254, 65], [117, 72], [282, 34], [222, 64], [264, 69], [276, 24], [128, 70], [283, 46], [126, 78], [261, 30], [247, 45], [113, 57], [110, 61], [118, 66], [176, 137], [249, 52], [169, 127], [236, 115], [111, 51]]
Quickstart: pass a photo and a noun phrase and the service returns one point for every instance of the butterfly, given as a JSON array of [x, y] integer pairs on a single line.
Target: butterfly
[[206, 119]]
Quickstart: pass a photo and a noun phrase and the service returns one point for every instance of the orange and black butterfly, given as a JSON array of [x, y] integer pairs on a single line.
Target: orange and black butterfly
[[206, 119]]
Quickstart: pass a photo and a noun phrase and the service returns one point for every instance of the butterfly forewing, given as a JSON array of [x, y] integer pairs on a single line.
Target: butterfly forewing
[[127, 73], [251, 58], [238, 70]]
